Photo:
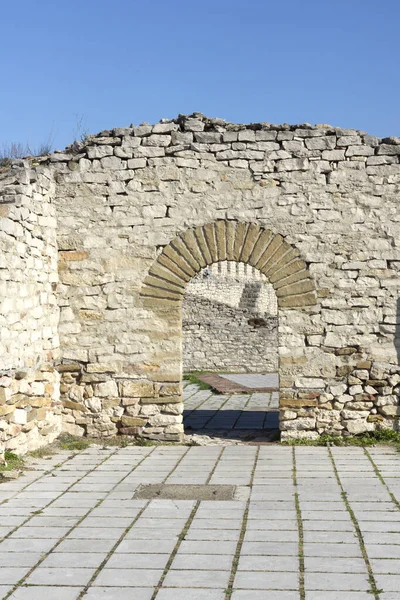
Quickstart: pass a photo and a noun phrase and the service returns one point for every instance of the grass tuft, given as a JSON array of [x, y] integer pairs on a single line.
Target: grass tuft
[[381, 436], [13, 462]]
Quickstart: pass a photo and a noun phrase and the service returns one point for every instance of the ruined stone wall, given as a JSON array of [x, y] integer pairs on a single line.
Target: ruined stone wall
[[30, 414], [229, 321], [218, 337], [142, 209]]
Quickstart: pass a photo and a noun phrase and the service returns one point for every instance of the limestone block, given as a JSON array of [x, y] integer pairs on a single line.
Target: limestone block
[[74, 405], [133, 421], [162, 400], [390, 410], [161, 420], [299, 424], [355, 427], [136, 389], [106, 389], [338, 389], [293, 164]]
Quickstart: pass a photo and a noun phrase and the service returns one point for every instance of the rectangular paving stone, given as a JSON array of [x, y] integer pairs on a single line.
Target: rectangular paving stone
[[197, 578], [19, 559], [151, 546], [389, 583], [251, 594], [19, 545], [100, 533], [323, 564], [195, 562], [199, 547], [11, 575], [189, 594], [336, 581], [128, 577], [270, 548], [95, 546], [339, 595], [118, 593], [60, 576], [333, 550], [380, 551], [330, 537], [216, 535], [259, 535], [137, 561], [45, 593], [39, 533], [268, 563], [72, 560], [256, 580]]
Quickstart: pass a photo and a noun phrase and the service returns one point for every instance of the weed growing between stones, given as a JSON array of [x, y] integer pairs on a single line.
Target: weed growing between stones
[[12, 462], [383, 436], [193, 377]]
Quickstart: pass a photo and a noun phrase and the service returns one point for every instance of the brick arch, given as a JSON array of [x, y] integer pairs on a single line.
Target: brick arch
[[222, 240]]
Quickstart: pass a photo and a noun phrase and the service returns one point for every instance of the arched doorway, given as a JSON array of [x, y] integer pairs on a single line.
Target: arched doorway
[[230, 355], [225, 240]]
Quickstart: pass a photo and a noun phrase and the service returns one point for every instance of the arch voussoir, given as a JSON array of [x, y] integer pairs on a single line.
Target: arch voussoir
[[202, 243], [266, 258], [252, 235], [296, 276], [230, 239], [260, 246], [179, 245], [241, 230], [220, 239], [192, 244], [209, 236]]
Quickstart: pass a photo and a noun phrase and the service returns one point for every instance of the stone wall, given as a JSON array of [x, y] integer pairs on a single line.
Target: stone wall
[[30, 412], [229, 321], [142, 209], [218, 337]]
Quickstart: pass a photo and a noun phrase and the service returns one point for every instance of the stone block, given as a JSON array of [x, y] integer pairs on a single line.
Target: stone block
[[73, 255], [130, 430], [162, 400], [136, 389], [108, 389], [74, 405], [133, 421]]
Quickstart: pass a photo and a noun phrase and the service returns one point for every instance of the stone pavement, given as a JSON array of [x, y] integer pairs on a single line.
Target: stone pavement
[[311, 524], [206, 411]]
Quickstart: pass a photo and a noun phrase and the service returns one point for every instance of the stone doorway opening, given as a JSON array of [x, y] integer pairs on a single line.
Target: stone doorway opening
[[230, 354]]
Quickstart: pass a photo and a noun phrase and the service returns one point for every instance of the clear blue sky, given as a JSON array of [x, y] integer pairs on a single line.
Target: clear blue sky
[[110, 63]]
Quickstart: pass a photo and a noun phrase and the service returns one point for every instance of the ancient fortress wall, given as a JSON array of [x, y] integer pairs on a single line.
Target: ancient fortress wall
[[141, 210], [229, 321], [30, 411]]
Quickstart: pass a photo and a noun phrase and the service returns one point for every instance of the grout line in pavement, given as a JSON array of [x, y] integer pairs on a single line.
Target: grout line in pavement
[[235, 562], [300, 528], [381, 479], [184, 531], [374, 591]]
